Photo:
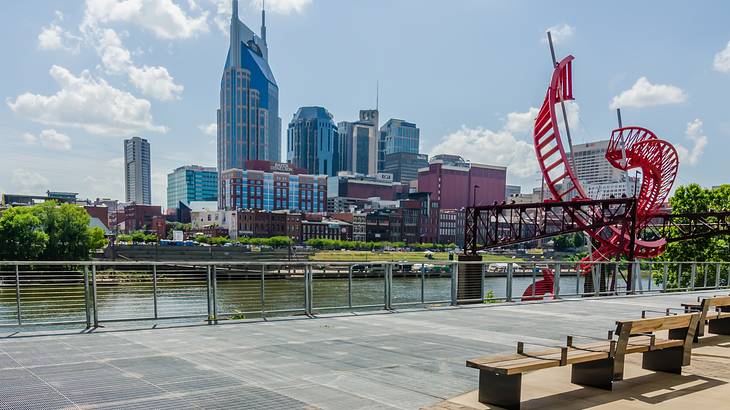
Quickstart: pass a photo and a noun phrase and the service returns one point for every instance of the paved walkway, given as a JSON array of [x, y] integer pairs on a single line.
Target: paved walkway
[[404, 360]]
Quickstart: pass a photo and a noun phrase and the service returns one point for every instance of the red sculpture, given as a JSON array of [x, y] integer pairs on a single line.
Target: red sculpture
[[629, 148]]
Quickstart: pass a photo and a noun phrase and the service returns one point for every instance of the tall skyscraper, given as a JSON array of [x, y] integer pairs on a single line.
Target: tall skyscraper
[[191, 183], [404, 166], [137, 176], [358, 144], [401, 136], [249, 127], [311, 139], [397, 136]]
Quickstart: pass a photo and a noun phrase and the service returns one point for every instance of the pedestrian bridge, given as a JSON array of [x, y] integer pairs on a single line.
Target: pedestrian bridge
[[404, 359]]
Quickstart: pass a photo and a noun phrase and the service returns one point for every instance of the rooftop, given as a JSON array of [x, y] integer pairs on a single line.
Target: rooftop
[[403, 360]]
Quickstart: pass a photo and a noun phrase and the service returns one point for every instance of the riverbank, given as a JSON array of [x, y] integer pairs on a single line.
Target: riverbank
[[395, 256]]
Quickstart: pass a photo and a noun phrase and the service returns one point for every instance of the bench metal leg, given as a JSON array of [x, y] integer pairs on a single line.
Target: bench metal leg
[[665, 360], [719, 326], [500, 390], [598, 374]]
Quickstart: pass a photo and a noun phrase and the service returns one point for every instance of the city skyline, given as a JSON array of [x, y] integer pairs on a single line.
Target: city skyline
[[672, 82]]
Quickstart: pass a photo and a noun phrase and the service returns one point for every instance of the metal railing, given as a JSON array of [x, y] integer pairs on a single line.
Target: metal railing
[[96, 292]]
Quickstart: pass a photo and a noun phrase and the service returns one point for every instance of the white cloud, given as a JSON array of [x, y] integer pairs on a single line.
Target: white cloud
[[282, 6], [88, 103], [722, 60], [29, 139], [696, 135], [163, 17], [645, 94], [155, 82], [55, 140], [222, 10], [25, 181], [210, 130], [511, 146], [222, 17], [54, 37], [50, 139], [485, 146], [114, 57], [519, 122], [560, 33]]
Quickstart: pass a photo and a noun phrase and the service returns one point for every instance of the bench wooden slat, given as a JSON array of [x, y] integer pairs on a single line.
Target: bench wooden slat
[[651, 325], [516, 363], [718, 301]]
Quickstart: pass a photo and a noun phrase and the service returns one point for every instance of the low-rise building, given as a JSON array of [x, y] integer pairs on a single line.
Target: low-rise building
[[358, 221], [351, 185], [139, 217], [447, 226], [319, 227], [270, 186]]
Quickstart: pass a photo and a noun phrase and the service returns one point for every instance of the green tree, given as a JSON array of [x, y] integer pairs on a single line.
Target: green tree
[[96, 238], [562, 243], [21, 234], [67, 227], [688, 199]]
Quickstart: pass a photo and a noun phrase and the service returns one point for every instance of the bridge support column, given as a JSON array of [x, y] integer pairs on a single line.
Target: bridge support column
[[469, 282]]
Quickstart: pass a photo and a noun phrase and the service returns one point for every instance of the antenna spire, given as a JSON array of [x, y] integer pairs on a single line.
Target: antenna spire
[[263, 20], [234, 15], [377, 95]]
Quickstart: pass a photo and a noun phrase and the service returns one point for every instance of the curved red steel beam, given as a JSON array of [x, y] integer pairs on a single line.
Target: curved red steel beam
[[629, 148]]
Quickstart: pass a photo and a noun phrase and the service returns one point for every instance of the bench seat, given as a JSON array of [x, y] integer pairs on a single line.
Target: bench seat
[[524, 362]]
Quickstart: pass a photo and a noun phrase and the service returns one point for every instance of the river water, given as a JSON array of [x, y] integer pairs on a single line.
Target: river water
[[59, 301]]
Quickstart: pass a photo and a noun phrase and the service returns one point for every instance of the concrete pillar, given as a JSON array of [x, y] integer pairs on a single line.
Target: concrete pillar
[[470, 280]]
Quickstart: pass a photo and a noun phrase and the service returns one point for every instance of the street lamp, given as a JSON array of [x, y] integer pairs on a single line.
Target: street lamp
[[474, 196]]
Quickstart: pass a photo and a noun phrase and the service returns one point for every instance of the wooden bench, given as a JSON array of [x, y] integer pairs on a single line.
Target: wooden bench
[[715, 312], [596, 364]]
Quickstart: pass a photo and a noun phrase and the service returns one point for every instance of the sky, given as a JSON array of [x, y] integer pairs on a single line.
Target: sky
[[78, 77]]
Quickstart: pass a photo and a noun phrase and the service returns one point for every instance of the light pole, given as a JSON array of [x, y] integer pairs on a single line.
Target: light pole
[[474, 197]]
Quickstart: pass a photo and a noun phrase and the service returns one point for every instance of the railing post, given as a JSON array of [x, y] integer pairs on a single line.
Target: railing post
[[508, 290], [209, 292], [307, 291], [17, 294], [154, 289], [717, 276], [704, 273], [263, 291], [423, 284], [556, 285], [596, 273], [693, 275], [349, 286], [454, 283], [87, 306], [482, 266], [214, 277], [94, 299], [388, 289], [665, 277]]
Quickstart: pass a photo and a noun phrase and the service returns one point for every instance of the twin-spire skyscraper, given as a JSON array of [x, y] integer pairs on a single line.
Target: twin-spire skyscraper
[[249, 127]]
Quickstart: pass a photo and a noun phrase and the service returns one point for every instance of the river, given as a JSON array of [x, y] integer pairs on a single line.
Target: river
[[187, 296]]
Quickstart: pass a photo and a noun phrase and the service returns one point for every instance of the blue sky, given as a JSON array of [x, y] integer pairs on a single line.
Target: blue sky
[[79, 77]]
